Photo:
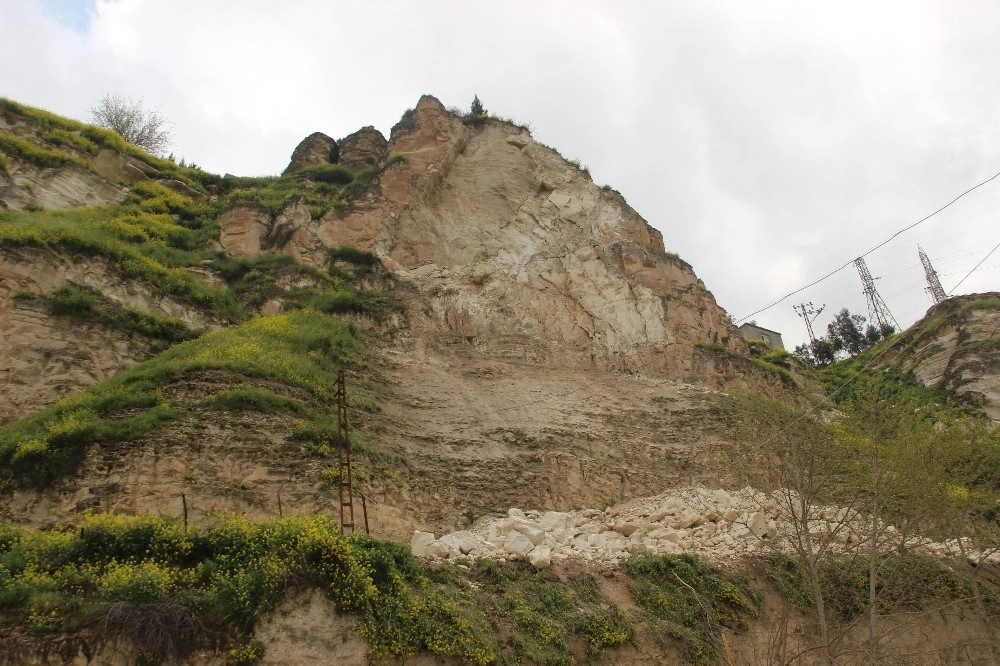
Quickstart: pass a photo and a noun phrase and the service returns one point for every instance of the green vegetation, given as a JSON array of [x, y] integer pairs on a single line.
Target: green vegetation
[[302, 349], [169, 590], [776, 361], [29, 152], [353, 255], [691, 602], [105, 138], [319, 187], [62, 137], [152, 238], [70, 301], [904, 583], [539, 613], [846, 336], [328, 173]]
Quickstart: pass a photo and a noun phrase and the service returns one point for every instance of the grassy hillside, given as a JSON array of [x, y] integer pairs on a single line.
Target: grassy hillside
[[875, 439]]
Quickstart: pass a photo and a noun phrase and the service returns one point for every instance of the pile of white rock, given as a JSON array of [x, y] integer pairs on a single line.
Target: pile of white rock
[[712, 523]]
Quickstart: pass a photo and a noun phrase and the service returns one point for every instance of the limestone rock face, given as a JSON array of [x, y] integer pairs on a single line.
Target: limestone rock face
[[317, 148], [517, 251], [362, 149], [957, 343], [45, 357], [241, 230], [119, 168], [28, 186]]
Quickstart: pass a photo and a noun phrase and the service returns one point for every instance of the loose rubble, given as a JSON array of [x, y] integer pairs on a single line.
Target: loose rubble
[[715, 524]]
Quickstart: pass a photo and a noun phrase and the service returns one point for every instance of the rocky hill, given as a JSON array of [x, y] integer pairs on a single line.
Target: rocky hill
[[957, 346], [525, 362], [518, 283]]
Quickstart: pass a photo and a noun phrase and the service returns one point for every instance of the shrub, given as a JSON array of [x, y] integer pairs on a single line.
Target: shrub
[[328, 173], [62, 137], [692, 601], [29, 152], [352, 255]]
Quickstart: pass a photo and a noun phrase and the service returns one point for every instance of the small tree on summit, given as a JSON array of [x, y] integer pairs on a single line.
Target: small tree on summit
[[477, 109], [142, 128]]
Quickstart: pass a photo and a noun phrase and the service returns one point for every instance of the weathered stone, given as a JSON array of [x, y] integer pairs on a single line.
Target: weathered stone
[[687, 518], [540, 557], [364, 148], [517, 543], [758, 524], [553, 520], [626, 529], [241, 229], [315, 149], [534, 533], [29, 186], [420, 543]]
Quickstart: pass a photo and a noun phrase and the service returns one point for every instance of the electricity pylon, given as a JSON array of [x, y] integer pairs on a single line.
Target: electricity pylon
[[934, 288], [878, 311]]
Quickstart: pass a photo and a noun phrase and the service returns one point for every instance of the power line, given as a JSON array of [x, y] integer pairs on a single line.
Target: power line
[[974, 268], [880, 245]]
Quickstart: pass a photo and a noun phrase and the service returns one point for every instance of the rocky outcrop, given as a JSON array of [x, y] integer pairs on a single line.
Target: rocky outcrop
[[27, 187], [24, 185], [517, 251], [315, 149], [45, 357], [366, 147], [241, 230], [957, 346]]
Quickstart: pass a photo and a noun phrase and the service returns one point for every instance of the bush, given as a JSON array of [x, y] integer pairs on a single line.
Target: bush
[[29, 152], [329, 173], [62, 137], [692, 601], [352, 255]]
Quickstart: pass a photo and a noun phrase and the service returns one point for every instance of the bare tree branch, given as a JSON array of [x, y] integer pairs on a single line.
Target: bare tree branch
[[139, 126]]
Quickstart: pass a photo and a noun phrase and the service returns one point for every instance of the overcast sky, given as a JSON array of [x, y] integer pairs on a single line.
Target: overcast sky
[[770, 142]]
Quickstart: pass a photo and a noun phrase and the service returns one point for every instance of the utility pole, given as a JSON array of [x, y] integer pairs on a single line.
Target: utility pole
[[933, 288], [809, 314], [878, 311]]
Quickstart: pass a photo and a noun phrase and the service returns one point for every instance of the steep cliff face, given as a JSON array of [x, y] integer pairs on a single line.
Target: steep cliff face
[[513, 249], [546, 337], [957, 346]]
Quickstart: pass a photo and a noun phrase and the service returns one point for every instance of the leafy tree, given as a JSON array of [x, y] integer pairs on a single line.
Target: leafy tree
[[139, 126], [477, 107], [846, 335]]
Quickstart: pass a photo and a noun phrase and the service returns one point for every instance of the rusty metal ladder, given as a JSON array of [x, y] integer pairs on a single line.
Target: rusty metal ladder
[[344, 455]]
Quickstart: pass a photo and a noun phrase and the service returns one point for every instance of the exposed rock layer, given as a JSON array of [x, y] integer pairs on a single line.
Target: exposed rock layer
[[46, 357], [957, 345], [514, 249]]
